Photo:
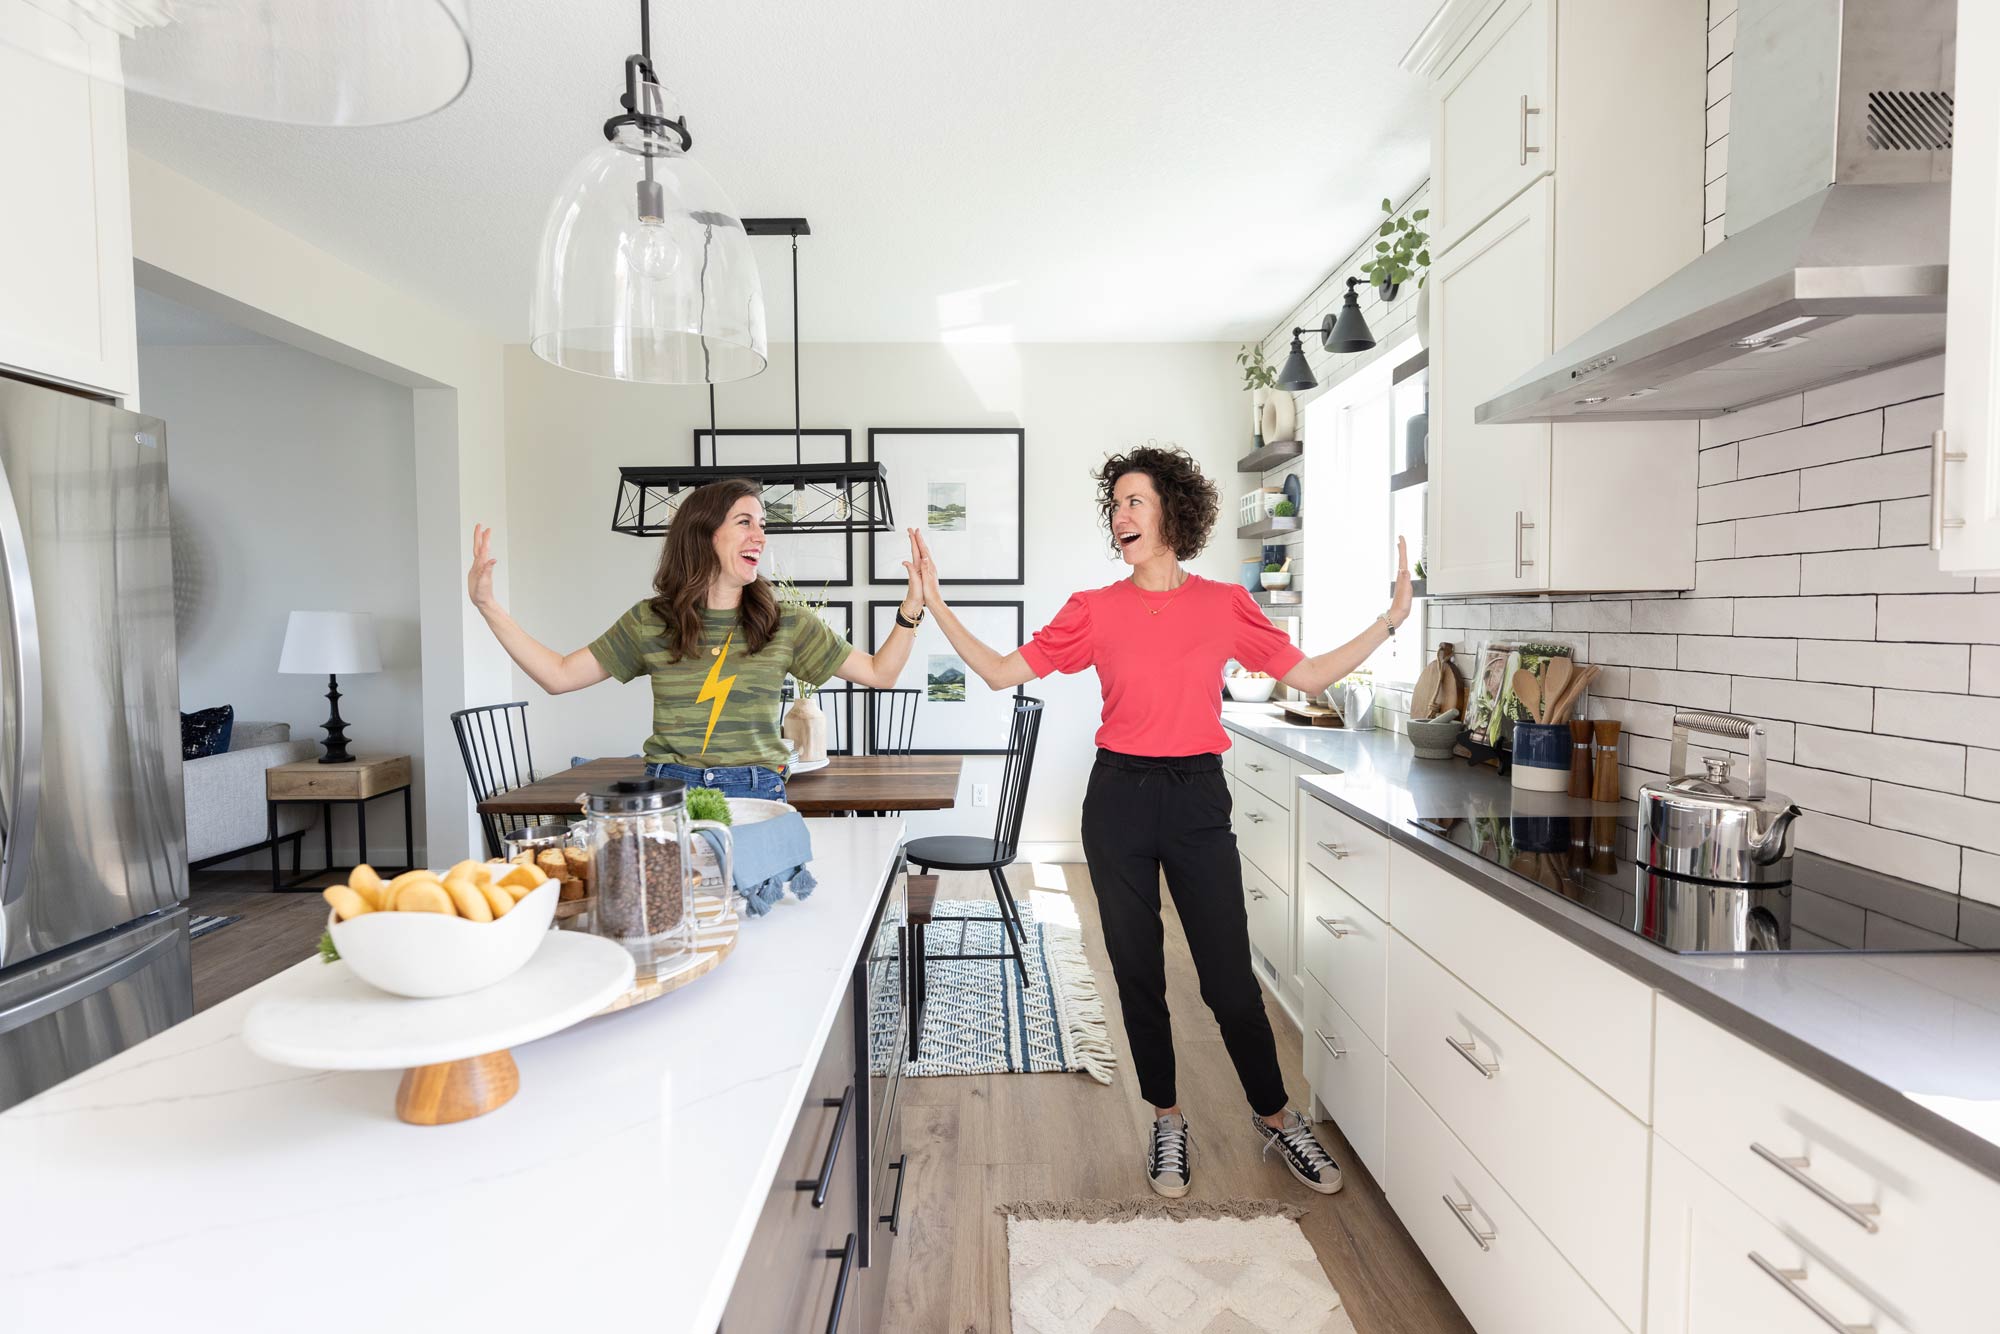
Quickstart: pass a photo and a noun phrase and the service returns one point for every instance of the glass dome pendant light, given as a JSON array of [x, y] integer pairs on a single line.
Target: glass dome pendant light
[[646, 272], [299, 62]]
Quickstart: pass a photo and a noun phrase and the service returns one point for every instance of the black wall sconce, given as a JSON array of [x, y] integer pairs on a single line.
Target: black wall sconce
[[1346, 333]]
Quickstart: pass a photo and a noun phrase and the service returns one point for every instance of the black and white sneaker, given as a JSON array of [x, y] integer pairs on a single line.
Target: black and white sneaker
[[1303, 1154], [1167, 1157]]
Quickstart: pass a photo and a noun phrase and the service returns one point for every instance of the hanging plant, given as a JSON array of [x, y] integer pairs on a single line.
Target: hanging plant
[[1257, 373], [1401, 253]]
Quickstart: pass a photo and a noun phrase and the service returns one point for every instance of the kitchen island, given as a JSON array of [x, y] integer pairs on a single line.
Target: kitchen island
[[189, 1185]]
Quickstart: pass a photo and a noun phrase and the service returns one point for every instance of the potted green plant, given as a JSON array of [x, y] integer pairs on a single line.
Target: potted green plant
[[1276, 576], [1273, 413], [1284, 509], [1402, 252]]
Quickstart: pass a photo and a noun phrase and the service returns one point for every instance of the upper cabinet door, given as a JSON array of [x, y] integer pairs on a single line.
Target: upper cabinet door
[[1490, 321], [66, 226], [1495, 119], [1965, 459]]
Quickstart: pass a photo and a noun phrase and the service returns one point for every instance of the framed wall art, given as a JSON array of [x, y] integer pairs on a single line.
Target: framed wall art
[[957, 714], [810, 560], [966, 488]]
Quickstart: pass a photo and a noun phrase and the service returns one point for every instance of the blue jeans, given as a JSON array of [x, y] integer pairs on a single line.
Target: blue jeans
[[748, 780]]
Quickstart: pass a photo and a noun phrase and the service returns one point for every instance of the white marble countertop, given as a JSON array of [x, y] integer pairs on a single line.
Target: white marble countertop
[[1913, 1037], [188, 1185]]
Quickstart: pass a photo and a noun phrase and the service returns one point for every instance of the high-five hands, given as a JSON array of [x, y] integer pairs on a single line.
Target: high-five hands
[[923, 570], [1399, 605]]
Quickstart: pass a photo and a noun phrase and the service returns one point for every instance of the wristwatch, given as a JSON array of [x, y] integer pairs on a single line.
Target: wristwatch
[[905, 622]]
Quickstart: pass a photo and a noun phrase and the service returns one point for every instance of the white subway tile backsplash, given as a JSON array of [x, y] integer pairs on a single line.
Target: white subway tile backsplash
[[1906, 522], [1715, 161], [1982, 774], [1714, 200], [1722, 30], [1803, 701], [1896, 759], [1718, 121], [1636, 716], [1807, 617], [1593, 615], [1761, 495], [1939, 815], [1941, 617], [1909, 425], [1531, 615], [1822, 790], [1811, 446], [1780, 414], [1683, 616], [1809, 530], [1883, 570], [1981, 879], [1971, 720], [1883, 477], [1719, 79], [1633, 650], [1715, 541], [1735, 656], [1899, 666], [1912, 858], [1687, 690], [1768, 576], [1717, 465], [1646, 752], [1712, 233], [1897, 384], [1985, 670]]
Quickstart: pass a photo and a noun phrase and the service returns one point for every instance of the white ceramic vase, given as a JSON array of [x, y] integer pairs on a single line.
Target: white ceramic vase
[[1424, 315], [1279, 418], [805, 728], [1257, 397]]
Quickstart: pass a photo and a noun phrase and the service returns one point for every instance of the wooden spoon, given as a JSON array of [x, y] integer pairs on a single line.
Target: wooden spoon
[[1528, 689], [1571, 693], [1554, 679]]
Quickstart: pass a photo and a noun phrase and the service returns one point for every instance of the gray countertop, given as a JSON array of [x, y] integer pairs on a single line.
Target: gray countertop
[[1913, 1037]]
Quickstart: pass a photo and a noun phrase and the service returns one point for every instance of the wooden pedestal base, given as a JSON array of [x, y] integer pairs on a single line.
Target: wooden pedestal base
[[437, 1095]]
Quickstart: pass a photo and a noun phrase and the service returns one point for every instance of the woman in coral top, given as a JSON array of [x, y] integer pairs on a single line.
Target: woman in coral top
[[1156, 800]]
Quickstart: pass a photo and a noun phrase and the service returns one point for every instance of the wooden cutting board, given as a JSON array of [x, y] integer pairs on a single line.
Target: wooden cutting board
[[1310, 715], [1438, 688]]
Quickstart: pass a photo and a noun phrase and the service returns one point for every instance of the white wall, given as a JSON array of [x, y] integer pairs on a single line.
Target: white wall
[[293, 481], [571, 576]]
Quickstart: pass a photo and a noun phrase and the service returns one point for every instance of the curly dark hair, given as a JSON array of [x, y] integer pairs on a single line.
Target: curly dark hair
[[1189, 502]]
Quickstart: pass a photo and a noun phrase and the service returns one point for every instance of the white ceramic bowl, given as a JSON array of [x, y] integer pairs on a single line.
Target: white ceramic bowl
[[1274, 582], [426, 954], [1251, 689]]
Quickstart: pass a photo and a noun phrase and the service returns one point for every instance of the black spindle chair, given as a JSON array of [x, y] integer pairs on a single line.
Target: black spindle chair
[[493, 741], [892, 719], [960, 852]]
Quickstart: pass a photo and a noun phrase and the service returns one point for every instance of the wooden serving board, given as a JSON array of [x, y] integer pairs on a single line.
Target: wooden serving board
[[1311, 715], [715, 941]]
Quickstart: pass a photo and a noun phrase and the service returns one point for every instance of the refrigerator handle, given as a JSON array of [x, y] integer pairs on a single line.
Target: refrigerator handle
[[24, 644]]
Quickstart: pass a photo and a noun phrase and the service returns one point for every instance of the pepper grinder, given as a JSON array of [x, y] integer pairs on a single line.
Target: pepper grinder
[[1604, 761], [1579, 757]]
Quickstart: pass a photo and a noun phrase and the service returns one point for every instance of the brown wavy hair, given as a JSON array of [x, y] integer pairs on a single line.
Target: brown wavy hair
[[688, 565], [1189, 502]]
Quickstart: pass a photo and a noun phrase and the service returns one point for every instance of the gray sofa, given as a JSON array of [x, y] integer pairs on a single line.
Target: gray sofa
[[225, 793]]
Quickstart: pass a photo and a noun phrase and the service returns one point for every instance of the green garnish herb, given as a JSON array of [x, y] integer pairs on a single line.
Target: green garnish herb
[[705, 803], [327, 953]]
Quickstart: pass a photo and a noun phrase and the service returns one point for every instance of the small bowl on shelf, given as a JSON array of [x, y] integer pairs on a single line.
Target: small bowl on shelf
[[426, 954], [1251, 689], [1275, 582]]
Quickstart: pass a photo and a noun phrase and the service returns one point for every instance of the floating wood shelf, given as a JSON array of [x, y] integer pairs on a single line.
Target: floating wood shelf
[[1272, 455], [1271, 527], [1279, 597], [1409, 477], [1417, 589]]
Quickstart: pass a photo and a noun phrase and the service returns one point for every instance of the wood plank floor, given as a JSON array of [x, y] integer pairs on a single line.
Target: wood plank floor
[[983, 1140], [276, 932]]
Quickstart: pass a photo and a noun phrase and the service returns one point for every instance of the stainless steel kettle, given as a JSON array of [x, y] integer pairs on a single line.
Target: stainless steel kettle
[[1717, 827]]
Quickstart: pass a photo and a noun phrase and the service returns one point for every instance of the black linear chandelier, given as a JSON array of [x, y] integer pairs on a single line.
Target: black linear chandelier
[[799, 497]]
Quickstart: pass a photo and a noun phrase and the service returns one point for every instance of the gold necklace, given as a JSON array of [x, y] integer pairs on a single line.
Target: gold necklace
[[1171, 595]]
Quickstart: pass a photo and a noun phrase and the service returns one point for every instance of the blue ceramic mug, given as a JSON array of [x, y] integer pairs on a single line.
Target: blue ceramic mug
[[1541, 756]]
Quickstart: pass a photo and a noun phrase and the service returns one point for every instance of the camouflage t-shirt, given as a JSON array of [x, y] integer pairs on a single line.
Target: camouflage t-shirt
[[719, 707]]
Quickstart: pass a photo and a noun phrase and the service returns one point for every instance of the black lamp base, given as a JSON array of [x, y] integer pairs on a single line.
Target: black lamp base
[[336, 728]]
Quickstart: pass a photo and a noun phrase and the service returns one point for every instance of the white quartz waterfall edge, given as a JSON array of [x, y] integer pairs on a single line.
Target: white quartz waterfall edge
[[1074, 1267]]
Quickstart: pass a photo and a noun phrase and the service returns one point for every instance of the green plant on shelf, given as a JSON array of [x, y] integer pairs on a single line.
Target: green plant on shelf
[[1284, 509], [1274, 568], [1419, 572], [1404, 250], [1257, 373]]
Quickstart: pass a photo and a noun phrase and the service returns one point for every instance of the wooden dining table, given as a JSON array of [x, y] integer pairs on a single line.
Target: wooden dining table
[[861, 784]]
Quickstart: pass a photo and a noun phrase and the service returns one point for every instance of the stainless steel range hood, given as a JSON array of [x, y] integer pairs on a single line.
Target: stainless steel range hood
[[1839, 210]]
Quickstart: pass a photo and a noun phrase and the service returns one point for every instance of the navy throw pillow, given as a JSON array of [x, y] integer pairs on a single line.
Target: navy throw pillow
[[206, 732]]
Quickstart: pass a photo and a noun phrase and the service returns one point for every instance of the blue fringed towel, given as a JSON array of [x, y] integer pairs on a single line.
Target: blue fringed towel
[[771, 857]]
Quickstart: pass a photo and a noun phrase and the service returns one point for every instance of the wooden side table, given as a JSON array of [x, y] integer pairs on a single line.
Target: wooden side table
[[353, 783]]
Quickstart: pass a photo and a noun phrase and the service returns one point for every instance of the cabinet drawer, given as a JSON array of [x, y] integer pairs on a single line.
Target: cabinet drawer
[[1720, 1101], [1347, 1072], [1345, 948], [1347, 852], [1573, 1159], [1593, 1016], [1264, 833], [1267, 770], [1703, 1279], [1270, 910], [1505, 1275], [1493, 118], [793, 1283]]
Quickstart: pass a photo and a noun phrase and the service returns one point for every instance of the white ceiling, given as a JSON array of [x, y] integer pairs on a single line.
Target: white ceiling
[[1046, 170]]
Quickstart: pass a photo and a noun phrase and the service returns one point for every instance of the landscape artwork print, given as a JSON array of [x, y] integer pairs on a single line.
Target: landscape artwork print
[[955, 712], [946, 679], [947, 508]]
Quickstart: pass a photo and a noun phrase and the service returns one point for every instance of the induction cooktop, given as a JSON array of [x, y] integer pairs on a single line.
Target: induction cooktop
[[1829, 906]]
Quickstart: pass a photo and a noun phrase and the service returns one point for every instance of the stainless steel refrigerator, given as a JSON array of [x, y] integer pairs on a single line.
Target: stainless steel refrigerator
[[93, 865]]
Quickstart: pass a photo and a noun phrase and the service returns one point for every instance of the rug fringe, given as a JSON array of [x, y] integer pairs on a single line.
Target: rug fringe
[[1125, 1211], [1086, 1030]]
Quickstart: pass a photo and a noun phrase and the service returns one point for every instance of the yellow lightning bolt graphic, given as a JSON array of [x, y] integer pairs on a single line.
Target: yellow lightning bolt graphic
[[717, 688]]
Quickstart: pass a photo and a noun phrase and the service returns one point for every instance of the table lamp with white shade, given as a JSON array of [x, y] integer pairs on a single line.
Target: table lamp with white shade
[[332, 642]]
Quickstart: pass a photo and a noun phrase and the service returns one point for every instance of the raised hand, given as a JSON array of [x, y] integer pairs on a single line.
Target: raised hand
[[923, 569], [914, 598], [1399, 605], [479, 579]]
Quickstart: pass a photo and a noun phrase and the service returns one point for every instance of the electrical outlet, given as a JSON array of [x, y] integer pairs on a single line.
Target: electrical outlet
[[982, 794]]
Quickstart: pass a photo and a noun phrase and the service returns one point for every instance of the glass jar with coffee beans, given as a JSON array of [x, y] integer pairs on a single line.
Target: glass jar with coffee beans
[[635, 838]]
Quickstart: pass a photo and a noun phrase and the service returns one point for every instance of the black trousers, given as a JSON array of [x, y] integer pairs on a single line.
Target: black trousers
[[1143, 814]]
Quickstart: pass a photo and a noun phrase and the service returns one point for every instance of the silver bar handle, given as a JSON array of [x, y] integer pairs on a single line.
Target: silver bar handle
[[1939, 457], [1522, 560], [23, 641], [1334, 849], [1470, 1051], [1463, 1212], [1258, 895], [1527, 111], [1731, 725], [1861, 1215], [1250, 764], [1253, 817], [1790, 1280], [1334, 927], [1333, 1049]]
